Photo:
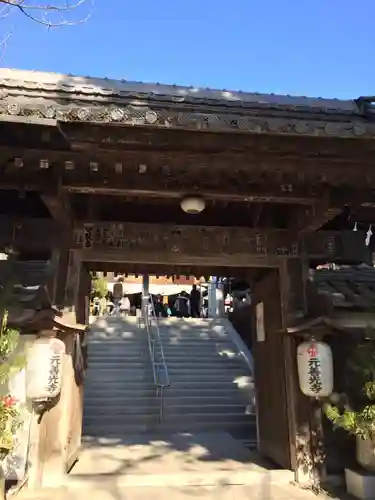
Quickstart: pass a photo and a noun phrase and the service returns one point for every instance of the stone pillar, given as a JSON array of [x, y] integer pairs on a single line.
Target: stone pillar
[[212, 300], [145, 284], [220, 300], [145, 290]]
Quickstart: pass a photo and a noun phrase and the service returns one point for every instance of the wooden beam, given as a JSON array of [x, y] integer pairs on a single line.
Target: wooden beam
[[104, 139], [163, 269], [262, 194], [183, 245], [184, 114], [192, 245], [300, 170], [58, 207], [228, 183], [312, 217]]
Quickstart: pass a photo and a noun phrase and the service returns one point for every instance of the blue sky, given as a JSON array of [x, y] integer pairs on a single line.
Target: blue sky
[[317, 48]]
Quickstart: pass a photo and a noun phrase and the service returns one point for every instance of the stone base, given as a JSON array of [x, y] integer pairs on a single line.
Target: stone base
[[360, 483]]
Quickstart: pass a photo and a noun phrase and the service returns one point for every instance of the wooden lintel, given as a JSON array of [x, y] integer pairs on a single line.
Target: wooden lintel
[[189, 245], [259, 195], [170, 259], [184, 244]]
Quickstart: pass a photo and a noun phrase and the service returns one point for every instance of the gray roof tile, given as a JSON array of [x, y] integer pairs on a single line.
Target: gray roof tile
[[36, 80]]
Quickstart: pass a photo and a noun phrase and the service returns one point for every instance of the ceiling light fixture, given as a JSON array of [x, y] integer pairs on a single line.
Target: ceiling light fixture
[[193, 205]]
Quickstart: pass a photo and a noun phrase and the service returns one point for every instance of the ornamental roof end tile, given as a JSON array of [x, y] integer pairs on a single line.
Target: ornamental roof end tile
[[43, 81]]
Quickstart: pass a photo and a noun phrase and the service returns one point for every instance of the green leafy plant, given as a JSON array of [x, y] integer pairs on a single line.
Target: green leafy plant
[[10, 364], [9, 424], [99, 287], [354, 411]]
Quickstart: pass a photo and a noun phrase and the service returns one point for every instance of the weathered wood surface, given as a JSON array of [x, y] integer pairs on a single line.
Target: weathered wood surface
[[272, 396], [162, 242], [228, 173], [158, 243], [58, 439], [293, 276]]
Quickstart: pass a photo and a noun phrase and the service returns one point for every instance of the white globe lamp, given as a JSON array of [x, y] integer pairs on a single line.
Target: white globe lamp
[[192, 205]]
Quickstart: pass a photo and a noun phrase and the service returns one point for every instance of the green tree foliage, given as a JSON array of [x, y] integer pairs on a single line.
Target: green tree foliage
[[355, 411], [99, 287]]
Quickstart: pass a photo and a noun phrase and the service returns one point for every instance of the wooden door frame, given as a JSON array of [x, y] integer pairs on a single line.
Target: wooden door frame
[[278, 263]]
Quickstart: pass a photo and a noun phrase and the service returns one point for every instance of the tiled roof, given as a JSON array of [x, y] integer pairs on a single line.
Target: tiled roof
[[28, 273], [347, 288], [34, 81]]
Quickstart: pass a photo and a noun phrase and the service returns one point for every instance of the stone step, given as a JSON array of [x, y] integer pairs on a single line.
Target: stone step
[[176, 354], [180, 386], [126, 376], [196, 343], [149, 397], [174, 366], [110, 345], [196, 337], [109, 419], [121, 370], [124, 344], [113, 429], [130, 375], [125, 408], [200, 392], [167, 342]]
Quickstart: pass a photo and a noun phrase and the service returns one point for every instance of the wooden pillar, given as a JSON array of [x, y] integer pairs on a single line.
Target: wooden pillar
[[72, 280], [59, 271], [84, 291], [284, 413], [56, 435], [271, 389], [70, 284], [293, 275]]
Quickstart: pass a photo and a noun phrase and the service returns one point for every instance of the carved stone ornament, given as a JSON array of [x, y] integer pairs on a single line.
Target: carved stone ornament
[[139, 113]]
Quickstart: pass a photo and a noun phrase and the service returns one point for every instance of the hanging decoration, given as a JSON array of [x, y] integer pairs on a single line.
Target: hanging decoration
[[368, 235], [44, 369], [369, 232], [315, 368]]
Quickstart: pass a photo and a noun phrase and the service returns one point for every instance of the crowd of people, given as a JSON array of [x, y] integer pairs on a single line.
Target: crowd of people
[[184, 305]]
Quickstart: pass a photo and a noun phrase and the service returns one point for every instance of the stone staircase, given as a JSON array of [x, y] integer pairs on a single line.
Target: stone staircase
[[211, 384]]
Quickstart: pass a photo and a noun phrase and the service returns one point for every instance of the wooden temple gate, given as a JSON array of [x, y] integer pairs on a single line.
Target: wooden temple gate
[[92, 173]]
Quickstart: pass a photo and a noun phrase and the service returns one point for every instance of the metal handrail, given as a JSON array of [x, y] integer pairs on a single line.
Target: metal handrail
[[160, 364]]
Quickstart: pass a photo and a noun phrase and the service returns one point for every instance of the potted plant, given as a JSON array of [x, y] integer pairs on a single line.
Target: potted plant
[[354, 411]]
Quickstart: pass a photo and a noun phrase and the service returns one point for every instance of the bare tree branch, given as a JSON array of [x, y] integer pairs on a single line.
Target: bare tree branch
[[46, 14]]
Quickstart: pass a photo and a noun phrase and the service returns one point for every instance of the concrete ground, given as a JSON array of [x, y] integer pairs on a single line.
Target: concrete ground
[[177, 460], [207, 466], [255, 492]]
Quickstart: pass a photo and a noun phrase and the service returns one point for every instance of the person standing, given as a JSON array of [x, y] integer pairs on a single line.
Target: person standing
[[195, 302], [118, 293], [125, 306]]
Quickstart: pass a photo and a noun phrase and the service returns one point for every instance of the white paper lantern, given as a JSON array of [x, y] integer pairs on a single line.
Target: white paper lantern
[[192, 205], [44, 369], [315, 369]]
